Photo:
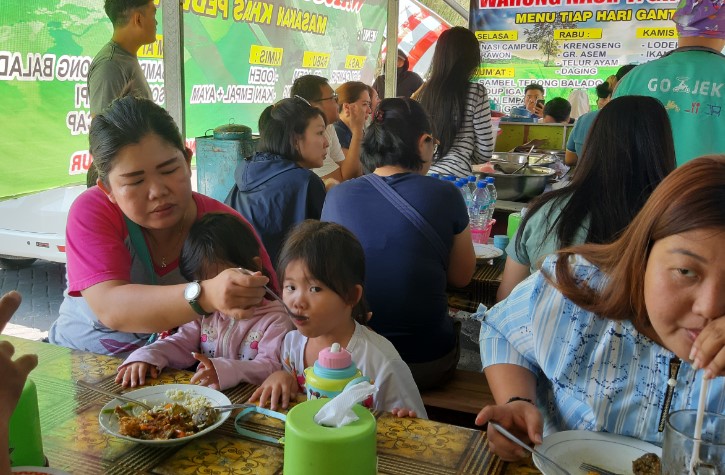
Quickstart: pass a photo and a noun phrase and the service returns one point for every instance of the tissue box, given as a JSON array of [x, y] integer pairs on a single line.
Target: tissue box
[[312, 449]]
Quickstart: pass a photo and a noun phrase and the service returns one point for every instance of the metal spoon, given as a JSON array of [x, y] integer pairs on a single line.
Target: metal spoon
[[526, 161], [112, 394], [274, 296], [521, 443]]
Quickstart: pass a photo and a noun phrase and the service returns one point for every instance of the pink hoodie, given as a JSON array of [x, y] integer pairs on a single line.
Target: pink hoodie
[[240, 350]]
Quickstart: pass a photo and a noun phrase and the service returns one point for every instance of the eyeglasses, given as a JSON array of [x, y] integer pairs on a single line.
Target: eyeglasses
[[333, 97]]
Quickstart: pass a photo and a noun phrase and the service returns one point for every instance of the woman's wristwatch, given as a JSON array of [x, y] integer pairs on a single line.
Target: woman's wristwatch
[[192, 292]]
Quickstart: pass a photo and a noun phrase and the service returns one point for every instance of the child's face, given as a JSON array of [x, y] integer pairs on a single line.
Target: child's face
[[321, 310], [684, 286]]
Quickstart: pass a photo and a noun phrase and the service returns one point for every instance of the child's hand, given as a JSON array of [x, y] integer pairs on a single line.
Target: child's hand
[[521, 418], [279, 386], [134, 374], [403, 412], [708, 351], [205, 373]]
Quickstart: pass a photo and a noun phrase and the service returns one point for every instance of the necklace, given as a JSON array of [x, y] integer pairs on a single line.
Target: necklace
[[163, 262]]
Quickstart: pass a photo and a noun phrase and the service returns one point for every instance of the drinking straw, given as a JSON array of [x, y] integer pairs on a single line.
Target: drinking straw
[[698, 426]]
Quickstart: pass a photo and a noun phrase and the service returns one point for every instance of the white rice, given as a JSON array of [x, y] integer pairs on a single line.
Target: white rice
[[191, 402]]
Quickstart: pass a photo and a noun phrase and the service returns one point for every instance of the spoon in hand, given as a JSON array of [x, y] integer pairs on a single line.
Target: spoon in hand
[[521, 443], [274, 296]]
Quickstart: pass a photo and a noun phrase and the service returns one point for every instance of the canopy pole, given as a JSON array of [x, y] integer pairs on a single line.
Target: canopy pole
[[391, 46], [458, 8], [173, 34]]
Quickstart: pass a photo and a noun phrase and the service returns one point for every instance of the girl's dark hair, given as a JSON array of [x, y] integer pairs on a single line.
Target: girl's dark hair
[[125, 122], [218, 238], [333, 255], [392, 137], [456, 57], [603, 90], [281, 124], [351, 91], [690, 198], [627, 153]]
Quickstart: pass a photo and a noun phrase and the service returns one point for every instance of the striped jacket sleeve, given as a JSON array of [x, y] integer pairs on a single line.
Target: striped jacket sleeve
[[474, 141]]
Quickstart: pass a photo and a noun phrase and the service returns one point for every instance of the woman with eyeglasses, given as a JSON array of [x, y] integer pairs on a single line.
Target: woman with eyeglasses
[[355, 106], [458, 108], [414, 230], [275, 188]]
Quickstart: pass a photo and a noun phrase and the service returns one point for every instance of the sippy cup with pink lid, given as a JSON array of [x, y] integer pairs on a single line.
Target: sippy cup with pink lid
[[331, 373]]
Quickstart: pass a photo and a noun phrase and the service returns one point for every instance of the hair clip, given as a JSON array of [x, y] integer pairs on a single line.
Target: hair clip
[[379, 115], [303, 100]]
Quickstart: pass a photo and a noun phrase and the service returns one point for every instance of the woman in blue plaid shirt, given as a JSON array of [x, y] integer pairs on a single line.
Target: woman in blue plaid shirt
[[614, 337]]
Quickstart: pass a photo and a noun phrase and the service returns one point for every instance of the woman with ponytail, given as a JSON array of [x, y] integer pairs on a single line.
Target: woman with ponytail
[[275, 188], [414, 230]]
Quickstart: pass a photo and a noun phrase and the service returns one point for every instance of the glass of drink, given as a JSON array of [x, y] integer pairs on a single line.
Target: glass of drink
[[680, 442]]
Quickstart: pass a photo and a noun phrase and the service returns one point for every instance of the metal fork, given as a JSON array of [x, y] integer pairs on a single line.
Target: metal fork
[[587, 467]]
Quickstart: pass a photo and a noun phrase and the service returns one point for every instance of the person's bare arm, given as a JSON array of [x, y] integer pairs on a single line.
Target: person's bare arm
[[570, 158], [519, 417], [462, 263], [513, 273], [351, 167], [138, 308]]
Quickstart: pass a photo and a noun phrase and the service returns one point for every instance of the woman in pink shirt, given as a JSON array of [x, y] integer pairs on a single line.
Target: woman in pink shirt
[[124, 237]]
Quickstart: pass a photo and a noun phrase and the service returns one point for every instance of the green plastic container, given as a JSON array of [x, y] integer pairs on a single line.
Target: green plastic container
[[312, 449], [26, 444]]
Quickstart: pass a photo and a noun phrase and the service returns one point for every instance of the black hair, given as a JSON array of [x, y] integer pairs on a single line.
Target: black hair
[[535, 86], [624, 70], [127, 121], [218, 238], [392, 137], [282, 123], [603, 90], [119, 11], [629, 150], [332, 255], [558, 108], [444, 95], [309, 87]]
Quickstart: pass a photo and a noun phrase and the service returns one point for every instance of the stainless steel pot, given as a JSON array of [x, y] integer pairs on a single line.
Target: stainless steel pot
[[528, 183], [520, 158]]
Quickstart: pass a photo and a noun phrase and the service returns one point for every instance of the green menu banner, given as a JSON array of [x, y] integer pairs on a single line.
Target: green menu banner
[[565, 44], [239, 57]]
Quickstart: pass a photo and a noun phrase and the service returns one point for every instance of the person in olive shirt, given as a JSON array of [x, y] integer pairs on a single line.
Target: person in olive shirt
[[115, 70]]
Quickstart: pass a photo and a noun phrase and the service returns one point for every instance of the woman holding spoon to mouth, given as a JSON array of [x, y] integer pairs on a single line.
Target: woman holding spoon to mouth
[[614, 337], [124, 237]]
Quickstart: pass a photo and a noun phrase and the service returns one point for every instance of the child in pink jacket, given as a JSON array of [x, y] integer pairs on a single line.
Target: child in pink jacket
[[229, 351]]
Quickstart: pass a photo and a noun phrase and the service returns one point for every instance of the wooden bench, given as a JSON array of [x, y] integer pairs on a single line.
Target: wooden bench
[[459, 400]]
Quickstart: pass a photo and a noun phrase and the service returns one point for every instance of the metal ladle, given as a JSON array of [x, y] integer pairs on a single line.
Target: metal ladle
[[526, 161]]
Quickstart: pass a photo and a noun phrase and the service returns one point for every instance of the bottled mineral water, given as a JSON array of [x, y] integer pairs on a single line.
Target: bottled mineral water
[[492, 196], [461, 184], [472, 184], [478, 212]]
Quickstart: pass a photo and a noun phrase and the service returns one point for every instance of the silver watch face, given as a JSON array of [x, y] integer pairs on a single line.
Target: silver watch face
[[192, 291]]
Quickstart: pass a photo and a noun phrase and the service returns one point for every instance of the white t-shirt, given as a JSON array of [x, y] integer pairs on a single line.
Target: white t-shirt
[[334, 154], [376, 358]]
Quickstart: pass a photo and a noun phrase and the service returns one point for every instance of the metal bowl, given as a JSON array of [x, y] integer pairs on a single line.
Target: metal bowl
[[528, 183], [520, 158]]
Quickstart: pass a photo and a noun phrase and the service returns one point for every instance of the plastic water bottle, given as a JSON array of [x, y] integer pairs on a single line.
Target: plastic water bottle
[[478, 213], [492, 196], [471, 184], [461, 184]]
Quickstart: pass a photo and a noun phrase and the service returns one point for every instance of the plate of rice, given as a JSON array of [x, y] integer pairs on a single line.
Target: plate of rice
[[181, 412]]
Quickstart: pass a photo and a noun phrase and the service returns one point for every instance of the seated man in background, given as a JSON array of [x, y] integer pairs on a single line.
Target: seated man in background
[[318, 93], [557, 111], [533, 95]]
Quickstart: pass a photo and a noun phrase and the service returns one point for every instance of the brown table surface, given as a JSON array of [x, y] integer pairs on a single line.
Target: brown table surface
[[73, 440]]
